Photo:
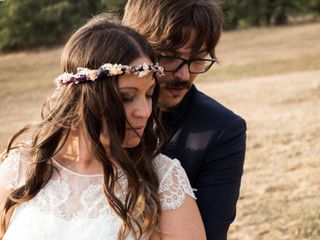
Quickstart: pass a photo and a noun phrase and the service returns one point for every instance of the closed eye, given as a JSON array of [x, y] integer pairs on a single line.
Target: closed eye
[[126, 97]]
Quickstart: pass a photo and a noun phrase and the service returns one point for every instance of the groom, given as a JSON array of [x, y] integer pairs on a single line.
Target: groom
[[207, 138]]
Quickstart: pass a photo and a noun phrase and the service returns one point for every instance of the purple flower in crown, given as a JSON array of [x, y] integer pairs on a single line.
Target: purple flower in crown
[[80, 79]]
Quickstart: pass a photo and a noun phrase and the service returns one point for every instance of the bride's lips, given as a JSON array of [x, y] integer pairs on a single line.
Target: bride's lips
[[138, 129]]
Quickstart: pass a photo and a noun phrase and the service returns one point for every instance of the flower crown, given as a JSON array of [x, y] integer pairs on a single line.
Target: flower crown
[[108, 70]]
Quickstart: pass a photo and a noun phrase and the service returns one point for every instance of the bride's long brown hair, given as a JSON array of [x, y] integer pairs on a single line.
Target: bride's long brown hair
[[97, 42]]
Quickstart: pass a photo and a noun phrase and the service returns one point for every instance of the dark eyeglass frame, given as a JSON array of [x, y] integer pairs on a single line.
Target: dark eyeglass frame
[[189, 61]]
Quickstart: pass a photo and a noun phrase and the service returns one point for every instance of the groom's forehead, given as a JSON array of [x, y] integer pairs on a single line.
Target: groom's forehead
[[188, 41]]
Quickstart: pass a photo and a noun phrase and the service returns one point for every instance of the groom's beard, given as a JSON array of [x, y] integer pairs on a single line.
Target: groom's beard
[[176, 84]]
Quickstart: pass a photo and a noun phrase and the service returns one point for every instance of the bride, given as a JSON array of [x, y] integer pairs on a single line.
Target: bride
[[92, 168]]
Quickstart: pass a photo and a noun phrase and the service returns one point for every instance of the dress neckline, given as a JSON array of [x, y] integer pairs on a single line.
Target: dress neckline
[[73, 172]]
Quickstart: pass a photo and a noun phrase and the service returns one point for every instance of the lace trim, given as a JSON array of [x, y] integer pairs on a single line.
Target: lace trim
[[174, 186], [57, 198]]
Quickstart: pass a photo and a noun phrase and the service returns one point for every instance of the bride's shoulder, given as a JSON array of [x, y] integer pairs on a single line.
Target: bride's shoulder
[[167, 167], [163, 163], [13, 167], [173, 182], [162, 159], [18, 154]]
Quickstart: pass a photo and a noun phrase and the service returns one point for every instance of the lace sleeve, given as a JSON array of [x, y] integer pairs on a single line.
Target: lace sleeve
[[174, 184], [9, 170]]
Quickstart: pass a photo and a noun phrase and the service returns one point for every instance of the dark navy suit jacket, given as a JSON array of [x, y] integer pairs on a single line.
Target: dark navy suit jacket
[[210, 141]]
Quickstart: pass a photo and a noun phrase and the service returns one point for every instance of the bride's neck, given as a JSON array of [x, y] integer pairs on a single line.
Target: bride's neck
[[75, 154]]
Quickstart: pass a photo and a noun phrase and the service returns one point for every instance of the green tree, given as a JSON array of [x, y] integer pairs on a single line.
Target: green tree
[[314, 6], [29, 23], [114, 5], [245, 13], [234, 12]]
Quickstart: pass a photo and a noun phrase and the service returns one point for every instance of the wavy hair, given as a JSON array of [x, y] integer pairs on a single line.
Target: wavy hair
[[99, 41], [172, 22]]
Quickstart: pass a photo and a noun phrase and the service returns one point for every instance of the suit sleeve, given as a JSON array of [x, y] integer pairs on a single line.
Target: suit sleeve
[[220, 178]]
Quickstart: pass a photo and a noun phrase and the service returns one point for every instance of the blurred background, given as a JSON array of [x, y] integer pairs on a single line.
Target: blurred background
[[269, 73]]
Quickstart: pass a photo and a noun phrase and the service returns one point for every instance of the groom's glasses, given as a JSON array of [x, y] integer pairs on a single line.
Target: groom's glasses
[[195, 65]]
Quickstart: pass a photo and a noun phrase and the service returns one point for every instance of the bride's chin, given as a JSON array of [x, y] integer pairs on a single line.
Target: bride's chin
[[131, 143]]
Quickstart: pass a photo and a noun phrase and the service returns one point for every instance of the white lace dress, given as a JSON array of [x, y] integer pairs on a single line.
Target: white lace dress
[[73, 205]]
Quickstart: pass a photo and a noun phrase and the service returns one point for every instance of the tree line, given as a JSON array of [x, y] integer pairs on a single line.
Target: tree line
[[246, 13], [33, 23]]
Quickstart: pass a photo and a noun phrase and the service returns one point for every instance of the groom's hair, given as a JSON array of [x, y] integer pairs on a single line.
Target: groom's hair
[[168, 24]]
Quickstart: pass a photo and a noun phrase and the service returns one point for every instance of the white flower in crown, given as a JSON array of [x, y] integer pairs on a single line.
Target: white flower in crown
[[142, 74], [146, 70], [146, 67], [127, 70], [106, 66], [117, 70], [113, 69], [93, 75], [66, 77], [158, 69], [63, 78]]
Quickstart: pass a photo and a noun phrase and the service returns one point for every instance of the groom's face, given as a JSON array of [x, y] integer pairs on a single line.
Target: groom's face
[[175, 85]]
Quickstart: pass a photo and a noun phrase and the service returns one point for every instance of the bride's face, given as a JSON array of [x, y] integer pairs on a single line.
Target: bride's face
[[136, 94]]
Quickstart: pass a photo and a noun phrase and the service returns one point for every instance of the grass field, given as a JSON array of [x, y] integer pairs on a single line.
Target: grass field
[[269, 76]]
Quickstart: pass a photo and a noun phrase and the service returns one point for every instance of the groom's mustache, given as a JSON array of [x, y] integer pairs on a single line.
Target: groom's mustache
[[179, 84]]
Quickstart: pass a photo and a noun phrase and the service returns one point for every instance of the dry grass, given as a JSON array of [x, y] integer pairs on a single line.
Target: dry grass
[[281, 184], [271, 77], [25, 81], [268, 51]]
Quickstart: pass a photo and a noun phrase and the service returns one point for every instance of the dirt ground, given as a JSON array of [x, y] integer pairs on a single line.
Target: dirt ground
[[280, 190], [271, 77]]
